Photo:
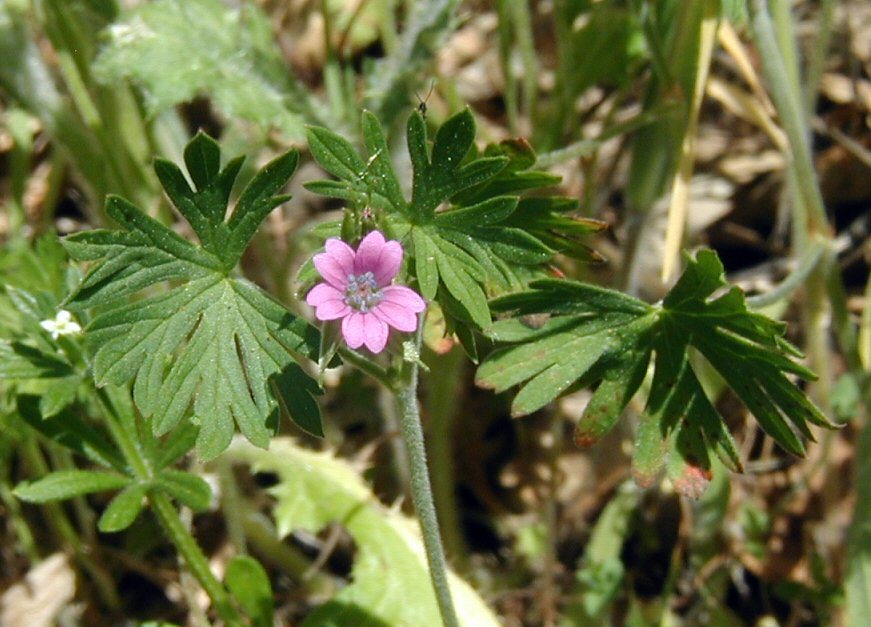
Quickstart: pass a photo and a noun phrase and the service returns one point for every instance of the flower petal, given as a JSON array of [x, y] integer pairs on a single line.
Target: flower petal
[[330, 269], [404, 297], [399, 317], [332, 309], [353, 330], [368, 253], [342, 253], [321, 293], [376, 332], [388, 262]]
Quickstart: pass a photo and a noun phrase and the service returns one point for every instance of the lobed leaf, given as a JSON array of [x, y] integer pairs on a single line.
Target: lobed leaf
[[592, 335], [459, 221], [212, 345]]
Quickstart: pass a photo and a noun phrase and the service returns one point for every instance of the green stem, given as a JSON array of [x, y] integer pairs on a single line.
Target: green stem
[[166, 514], [421, 489], [264, 540], [190, 551], [365, 365], [811, 211], [792, 282]]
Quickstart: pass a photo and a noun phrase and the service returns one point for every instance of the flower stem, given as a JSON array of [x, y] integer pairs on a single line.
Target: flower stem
[[190, 551], [421, 489]]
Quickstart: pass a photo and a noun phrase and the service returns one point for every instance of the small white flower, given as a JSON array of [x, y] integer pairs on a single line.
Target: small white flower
[[63, 324]]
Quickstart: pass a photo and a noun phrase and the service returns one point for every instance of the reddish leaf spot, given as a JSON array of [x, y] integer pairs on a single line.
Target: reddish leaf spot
[[693, 481]]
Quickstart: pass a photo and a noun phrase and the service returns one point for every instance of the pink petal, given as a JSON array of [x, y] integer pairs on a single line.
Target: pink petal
[[342, 253], [404, 297], [330, 269], [388, 263], [376, 333], [336, 264], [331, 310], [368, 252], [321, 293], [353, 330], [397, 316]]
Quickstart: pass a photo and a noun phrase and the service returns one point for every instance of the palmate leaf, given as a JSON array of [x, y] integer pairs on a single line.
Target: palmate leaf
[[591, 335], [467, 227], [213, 343]]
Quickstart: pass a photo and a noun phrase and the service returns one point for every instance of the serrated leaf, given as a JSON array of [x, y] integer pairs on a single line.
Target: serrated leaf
[[179, 49], [66, 484], [212, 344], [186, 488], [249, 583], [315, 489], [123, 510], [589, 334]]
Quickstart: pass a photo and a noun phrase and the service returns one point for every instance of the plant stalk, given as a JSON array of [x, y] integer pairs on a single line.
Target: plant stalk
[[421, 489]]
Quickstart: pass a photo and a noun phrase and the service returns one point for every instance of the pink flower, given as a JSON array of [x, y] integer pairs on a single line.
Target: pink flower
[[358, 290]]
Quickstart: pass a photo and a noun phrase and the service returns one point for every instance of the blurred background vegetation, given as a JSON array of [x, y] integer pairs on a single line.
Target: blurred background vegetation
[[666, 119]]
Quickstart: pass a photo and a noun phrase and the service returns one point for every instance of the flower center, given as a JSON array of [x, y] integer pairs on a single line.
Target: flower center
[[362, 292]]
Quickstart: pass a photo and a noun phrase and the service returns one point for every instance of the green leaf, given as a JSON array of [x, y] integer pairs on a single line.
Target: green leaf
[[66, 484], [123, 510], [69, 430], [315, 489], [188, 489], [565, 334], [249, 583], [464, 244], [443, 174], [20, 361], [425, 253], [176, 50], [176, 444], [213, 344]]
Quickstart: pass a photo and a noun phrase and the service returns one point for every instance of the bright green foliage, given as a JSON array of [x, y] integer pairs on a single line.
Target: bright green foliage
[[69, 483], [467, 227], [178, 49], [212, 343], [249, 583], [594, 335], [30, 359], [390, 583], [68, 429]]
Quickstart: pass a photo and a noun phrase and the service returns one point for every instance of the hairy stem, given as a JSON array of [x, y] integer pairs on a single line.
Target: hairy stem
[[421, 489]]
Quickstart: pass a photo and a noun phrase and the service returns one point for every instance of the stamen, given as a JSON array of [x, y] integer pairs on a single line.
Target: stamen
[[362, 292]]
